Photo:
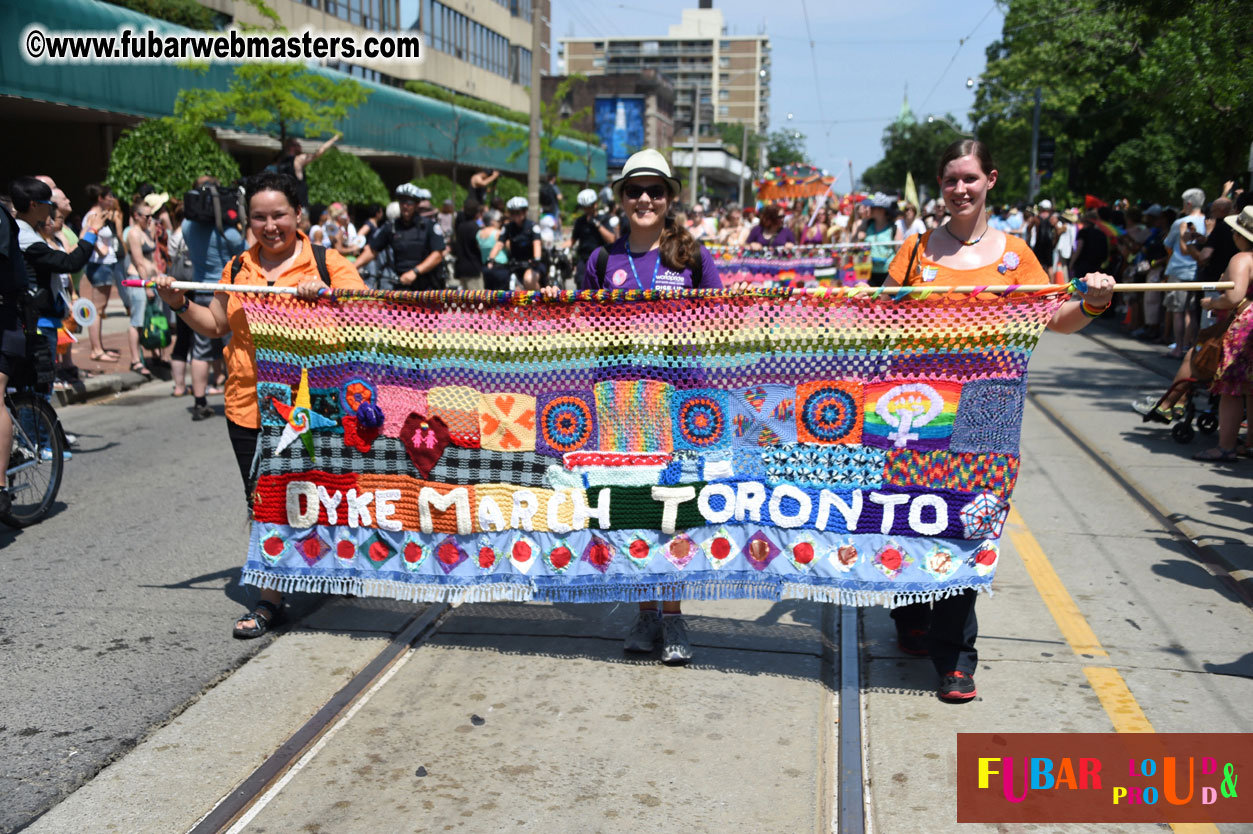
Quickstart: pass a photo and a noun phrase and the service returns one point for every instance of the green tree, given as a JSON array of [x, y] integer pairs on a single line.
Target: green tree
[[337, 175], [285, 99], [552, 125], [732, 136], [1155, 96], [164, 153], [909, 147], [784, 147], [187, 13]]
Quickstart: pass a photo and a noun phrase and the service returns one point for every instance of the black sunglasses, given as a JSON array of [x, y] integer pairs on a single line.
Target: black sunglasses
[[654, 192]]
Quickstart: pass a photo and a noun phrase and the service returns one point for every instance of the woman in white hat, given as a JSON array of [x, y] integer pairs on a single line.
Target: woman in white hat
[[658, 253], [1234, 380]]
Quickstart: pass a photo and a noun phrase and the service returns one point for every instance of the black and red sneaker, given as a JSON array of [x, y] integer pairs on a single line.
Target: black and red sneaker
[[912, 641], [957, 686]]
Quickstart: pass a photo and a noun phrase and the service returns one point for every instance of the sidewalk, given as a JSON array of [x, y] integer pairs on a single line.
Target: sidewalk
[[106, 377]]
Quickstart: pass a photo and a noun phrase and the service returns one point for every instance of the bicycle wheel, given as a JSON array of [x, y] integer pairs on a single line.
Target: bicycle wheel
[[36, 462]]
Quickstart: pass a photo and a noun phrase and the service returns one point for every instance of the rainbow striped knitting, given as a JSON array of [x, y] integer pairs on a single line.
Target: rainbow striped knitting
[[671, 445]]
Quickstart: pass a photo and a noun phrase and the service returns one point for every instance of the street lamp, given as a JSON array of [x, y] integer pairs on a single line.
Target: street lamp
[[941, 120]]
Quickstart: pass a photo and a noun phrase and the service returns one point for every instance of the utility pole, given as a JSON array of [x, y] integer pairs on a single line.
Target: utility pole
[[743, 162], [532, 162], [695, 146], [1035, 151], [851, 181]]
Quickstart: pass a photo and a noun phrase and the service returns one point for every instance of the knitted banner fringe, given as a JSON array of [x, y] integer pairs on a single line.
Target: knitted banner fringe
[[666, 590]]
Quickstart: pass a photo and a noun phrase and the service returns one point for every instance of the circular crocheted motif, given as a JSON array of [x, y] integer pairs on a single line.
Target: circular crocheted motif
[[566, 423], [701, 421], [829, 414]]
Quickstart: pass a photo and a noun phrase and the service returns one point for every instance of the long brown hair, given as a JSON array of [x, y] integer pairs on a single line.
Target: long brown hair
[[966, 147], [679, 249]]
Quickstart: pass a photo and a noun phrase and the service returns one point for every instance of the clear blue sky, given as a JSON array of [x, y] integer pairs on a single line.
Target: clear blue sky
[[866, 52]]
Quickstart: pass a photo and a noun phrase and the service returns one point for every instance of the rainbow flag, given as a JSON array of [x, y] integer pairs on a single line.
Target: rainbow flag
[[677, 445]]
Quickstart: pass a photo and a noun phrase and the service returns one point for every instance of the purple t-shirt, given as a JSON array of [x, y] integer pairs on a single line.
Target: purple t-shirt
[[626, 271], [779, 238]]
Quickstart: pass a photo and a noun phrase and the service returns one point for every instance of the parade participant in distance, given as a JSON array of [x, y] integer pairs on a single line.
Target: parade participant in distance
[[590, 230], [879, 231], [416, 244], [657, 254], [522, 238], [282, 257], [480, 181], [105, 215], [293, 162], [495, 268], [968, 251], [1234, 380], [770, 232]]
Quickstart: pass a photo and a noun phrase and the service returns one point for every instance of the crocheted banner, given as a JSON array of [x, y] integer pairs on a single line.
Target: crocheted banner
[[670, 446]]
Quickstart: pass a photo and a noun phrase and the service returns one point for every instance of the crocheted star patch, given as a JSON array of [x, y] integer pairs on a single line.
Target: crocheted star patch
[[989, 417], [913, 414], [566, 422], [701, 420], [764, 415], [507, 422], [829, 411], [425, 439], [458, 407]]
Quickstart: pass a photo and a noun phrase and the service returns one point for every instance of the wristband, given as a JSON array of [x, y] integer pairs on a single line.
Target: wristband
[[90, 236], [1092, 312], [186, 306]]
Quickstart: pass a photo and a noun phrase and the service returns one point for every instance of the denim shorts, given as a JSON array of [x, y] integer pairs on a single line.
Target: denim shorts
[[136, 301], [100, 275]]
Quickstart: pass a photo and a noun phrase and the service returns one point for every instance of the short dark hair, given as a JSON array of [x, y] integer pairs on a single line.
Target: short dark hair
[[966, 147], [271, 181], [136, 206], [95, 191], [26, 190], [471, 207]]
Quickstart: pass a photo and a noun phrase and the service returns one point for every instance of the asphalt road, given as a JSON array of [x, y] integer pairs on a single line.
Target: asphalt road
[[115, 612]]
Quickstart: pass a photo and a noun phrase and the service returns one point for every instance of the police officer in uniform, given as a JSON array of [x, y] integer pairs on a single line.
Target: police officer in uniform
[[590, 231], [416, 243], [522, 236]]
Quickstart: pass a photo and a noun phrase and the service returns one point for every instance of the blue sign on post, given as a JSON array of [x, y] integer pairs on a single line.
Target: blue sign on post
[[620, 126]]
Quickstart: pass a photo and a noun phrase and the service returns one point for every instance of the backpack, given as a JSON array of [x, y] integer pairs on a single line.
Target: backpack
[[319, 258], [602, 265], [156, 330], [209, 205]]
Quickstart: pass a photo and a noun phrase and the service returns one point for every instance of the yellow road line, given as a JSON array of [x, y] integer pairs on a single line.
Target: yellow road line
[[1116, 698], [1075, 628]]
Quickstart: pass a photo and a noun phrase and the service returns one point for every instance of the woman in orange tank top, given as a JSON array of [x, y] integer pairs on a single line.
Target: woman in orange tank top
[[965, 251]]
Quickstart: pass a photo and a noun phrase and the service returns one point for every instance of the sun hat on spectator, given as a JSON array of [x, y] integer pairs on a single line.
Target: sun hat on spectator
[[1242, 223], [646, 163]]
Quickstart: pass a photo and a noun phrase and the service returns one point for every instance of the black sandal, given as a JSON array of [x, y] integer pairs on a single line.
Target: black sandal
[[265, 615]]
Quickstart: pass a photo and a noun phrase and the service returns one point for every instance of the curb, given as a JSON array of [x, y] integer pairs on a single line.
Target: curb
[[98, 386]]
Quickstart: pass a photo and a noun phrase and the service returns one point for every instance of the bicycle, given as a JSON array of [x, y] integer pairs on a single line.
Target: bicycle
[[36, 460]]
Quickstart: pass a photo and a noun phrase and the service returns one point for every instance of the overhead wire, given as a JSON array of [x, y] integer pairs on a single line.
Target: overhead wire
[[952, 60]]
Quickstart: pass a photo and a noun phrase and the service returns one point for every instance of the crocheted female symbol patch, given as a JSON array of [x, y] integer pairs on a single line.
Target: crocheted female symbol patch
[[507, 422], [700, 420], [914, 414], [567, 423], [829, 412]]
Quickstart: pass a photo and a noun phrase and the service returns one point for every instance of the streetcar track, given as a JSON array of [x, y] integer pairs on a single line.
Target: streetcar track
[[1203, 554], [300, 744]]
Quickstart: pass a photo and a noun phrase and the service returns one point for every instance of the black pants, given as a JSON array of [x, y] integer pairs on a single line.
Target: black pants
[[244, 442], [495, 278], [951, 628]]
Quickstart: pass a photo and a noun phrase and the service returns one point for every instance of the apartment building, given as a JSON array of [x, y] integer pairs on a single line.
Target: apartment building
[[480, 48], [728, 74]]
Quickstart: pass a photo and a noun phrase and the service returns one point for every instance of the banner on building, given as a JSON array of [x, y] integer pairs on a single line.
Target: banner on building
[[620, 126]]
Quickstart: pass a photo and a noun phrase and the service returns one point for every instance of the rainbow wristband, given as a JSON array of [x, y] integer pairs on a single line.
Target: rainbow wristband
[[1092, 312]]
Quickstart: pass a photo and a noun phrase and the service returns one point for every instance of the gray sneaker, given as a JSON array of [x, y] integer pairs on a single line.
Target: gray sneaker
[[644, 633], [675, 647]]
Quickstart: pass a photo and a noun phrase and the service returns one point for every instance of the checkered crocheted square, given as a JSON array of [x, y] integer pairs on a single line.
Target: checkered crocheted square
[[989, 418], [829, 411], [961, 471], [266, 393], [387, 456], [480, 466], [910, 413], [507, 422], [763, 415], [397, 403], [458, 407], [701, 419], [634, 416], [565, 422]]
